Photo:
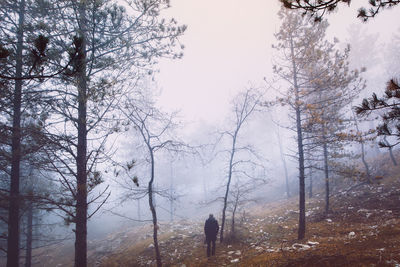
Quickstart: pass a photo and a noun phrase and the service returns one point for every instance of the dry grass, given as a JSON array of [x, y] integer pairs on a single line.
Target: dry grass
[[268, 234]]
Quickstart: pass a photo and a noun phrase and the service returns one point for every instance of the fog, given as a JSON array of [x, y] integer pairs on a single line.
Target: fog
[[227, 50]]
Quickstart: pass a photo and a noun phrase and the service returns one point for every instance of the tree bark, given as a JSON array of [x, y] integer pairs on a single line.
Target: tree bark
[[326, 172], [81, 194], [310, 188], [153, 211], [14, 201], [302, 199], [28, 257], [221, 237], [234, 213]]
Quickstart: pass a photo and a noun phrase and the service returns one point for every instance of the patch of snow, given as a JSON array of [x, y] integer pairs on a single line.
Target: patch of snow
[[329, 220], [235, 260], [300, 246], [311, 243], [362, 210], [394, 262], [351, 235]]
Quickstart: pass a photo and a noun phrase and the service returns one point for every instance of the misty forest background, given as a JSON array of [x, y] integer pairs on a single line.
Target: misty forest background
[[86, 149]]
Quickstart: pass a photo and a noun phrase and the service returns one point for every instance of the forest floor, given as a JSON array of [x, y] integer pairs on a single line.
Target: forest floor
[[361, 229]]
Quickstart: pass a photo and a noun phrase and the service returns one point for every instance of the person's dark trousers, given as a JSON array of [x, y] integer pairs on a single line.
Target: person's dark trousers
[[209, 249]]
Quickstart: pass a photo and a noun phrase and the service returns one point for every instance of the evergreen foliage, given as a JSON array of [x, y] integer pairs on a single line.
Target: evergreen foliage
[[389, 105], [317, 8]]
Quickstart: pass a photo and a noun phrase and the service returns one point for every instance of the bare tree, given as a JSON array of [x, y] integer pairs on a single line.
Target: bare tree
[[242, 195], [155, 129], [244, 105]]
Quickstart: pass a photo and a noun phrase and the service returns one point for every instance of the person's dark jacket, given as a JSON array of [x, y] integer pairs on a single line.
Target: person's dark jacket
[[211, 229]]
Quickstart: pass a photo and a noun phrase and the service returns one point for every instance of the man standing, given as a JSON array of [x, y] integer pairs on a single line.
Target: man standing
[[211, 229]]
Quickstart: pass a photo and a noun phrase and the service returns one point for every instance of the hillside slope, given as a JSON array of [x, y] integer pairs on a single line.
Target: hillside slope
[[362, 229]]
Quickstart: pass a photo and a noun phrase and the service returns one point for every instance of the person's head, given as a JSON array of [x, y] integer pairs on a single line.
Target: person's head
[[211, 215]]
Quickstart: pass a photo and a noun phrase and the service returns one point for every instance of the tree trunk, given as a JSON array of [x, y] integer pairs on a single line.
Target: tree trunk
[[14, 201], [326, 171], [284, 164], [302, 198], [221, 237], [138, 211], [81, 195], [233, 214], [362, 151], [153, 212], [28, 257], [171, 190], [390, 152], [310, 188]]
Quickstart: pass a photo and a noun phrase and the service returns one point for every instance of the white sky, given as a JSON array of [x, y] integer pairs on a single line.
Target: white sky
[[228, 47]]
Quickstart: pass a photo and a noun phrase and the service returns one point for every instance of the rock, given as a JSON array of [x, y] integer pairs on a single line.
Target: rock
[[151, 246], [238, 253], [351, 235], [300, 246], [311, 243]]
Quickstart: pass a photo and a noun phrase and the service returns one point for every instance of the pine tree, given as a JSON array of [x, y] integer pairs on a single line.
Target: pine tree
[[318, 8], [390, 118], [296, 41], [23, 52], [332, 88], [116, 45]]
